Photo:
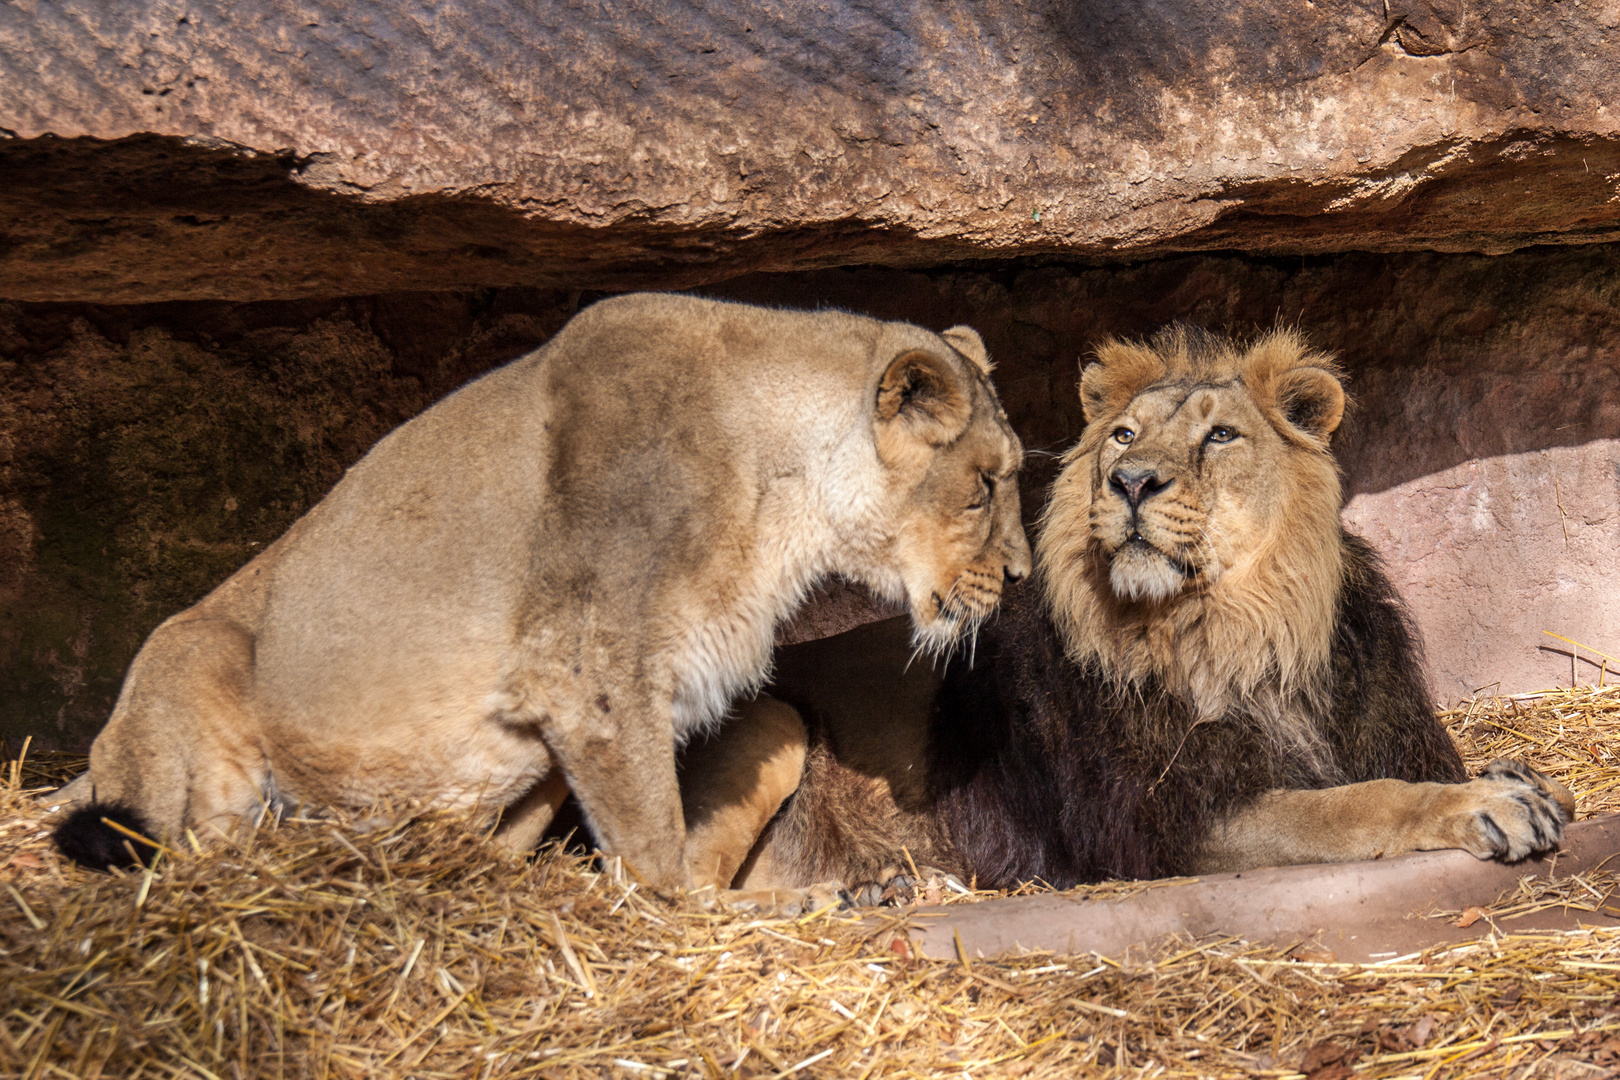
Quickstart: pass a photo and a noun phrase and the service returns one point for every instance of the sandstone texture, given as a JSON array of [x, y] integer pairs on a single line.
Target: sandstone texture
[[146, 452], [199, 149]]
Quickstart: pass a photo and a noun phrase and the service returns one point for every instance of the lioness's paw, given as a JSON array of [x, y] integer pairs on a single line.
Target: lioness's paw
[[786, 902], [1514, 812]]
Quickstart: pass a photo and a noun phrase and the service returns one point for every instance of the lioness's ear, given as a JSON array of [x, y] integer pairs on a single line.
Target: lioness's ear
[[966, 340], [1311, 399], [924, 395]]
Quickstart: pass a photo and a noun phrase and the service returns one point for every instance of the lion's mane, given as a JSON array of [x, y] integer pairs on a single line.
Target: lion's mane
[[1095, 739]]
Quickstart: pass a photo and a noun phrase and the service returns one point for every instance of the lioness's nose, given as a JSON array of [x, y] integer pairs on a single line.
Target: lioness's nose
[[1137, 485], [1017, 566]]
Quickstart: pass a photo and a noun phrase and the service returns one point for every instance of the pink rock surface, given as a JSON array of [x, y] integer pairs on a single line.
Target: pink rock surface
[[1491, 553], [1359, 912]]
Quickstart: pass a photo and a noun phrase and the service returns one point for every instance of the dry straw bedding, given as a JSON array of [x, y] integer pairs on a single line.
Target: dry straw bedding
[[338, 948]]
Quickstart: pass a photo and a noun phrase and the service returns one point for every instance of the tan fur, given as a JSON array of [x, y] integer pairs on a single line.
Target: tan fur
[[1224, 590], [1376, 818], [727, 807], [1259, 528], [570, 566]]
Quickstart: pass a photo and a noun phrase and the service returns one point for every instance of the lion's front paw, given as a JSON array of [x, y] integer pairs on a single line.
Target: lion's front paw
[[1512, 811], [898, 888]]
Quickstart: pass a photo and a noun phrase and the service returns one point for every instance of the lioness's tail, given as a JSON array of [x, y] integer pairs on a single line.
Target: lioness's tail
[[90, 837]]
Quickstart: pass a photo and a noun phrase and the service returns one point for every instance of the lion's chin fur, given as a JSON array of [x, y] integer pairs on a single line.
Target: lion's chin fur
[[1139, 573]]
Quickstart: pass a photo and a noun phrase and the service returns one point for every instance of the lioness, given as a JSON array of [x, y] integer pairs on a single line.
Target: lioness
[[1206, 673], [552, 577]]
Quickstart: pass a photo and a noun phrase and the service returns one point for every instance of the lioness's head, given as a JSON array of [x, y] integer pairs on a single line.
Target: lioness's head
[[953, 459], [1194, 532]]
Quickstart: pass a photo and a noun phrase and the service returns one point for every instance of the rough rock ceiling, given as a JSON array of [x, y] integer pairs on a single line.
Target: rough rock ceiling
[[288, 148]]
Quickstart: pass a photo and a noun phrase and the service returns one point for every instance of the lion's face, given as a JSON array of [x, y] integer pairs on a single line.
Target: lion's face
[[1184, 487], [955, 460], [1195, 530]]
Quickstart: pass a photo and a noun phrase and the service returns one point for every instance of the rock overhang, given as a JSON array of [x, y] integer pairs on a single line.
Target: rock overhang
[[190, 150]]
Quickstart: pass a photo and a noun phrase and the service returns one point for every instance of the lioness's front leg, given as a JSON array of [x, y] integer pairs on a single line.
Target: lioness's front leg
[[1509, 812], [618, 755]]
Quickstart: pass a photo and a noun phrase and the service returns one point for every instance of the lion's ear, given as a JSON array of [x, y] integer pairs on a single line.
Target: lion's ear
[[1122, 370], [1093, 391], [1311, 399], [966, 340], [925, 396]]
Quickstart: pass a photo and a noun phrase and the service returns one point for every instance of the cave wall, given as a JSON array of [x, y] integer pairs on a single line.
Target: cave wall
[[241, 240], [147, 451]]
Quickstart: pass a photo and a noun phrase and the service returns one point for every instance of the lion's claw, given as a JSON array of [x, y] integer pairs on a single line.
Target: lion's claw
[[1515, 812]]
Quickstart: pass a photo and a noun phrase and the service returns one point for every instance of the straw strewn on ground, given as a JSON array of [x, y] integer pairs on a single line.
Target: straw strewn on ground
[[1571, 734], [326, 948]]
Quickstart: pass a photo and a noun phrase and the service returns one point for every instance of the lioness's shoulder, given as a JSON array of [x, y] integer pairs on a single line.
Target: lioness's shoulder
[[679, 315]]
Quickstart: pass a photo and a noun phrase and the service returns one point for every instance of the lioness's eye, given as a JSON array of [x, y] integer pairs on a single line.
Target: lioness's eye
[[1221, 433], [987, 488], [1124, 436]]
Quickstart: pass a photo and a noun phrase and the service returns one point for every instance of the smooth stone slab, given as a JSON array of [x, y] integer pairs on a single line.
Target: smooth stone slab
[[1359, 912]]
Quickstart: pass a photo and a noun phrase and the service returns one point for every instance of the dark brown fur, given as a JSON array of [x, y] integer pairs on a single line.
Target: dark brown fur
[[1037, 769], [1042, 770]]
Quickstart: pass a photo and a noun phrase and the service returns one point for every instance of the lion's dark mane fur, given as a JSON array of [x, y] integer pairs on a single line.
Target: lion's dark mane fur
[[1044, 770]]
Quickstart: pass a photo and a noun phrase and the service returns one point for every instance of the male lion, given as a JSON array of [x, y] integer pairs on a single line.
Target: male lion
[[1207, 674], [554, 576]]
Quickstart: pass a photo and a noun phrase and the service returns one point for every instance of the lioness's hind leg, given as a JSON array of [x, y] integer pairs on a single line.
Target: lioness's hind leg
[[733, 783], [180, 750], [525, 821]]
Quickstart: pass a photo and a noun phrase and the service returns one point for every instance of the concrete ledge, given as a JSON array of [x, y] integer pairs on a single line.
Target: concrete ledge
[[1357, 911]]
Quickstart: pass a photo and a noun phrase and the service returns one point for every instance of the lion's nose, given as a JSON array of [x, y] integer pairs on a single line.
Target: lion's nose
[[1137, 485]]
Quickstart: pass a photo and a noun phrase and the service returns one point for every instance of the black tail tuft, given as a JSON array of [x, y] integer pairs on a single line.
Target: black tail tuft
[[89, 841]]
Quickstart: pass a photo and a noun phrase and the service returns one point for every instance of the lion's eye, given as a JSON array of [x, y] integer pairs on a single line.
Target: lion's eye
[[1222, 433], [1124, 436], [987, 488]]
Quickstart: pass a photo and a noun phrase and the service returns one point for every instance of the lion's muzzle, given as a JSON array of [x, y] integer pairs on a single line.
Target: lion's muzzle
[[1141, 531]]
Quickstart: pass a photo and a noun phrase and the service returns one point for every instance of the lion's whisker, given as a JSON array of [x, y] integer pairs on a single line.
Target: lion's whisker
[[916, 651]]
